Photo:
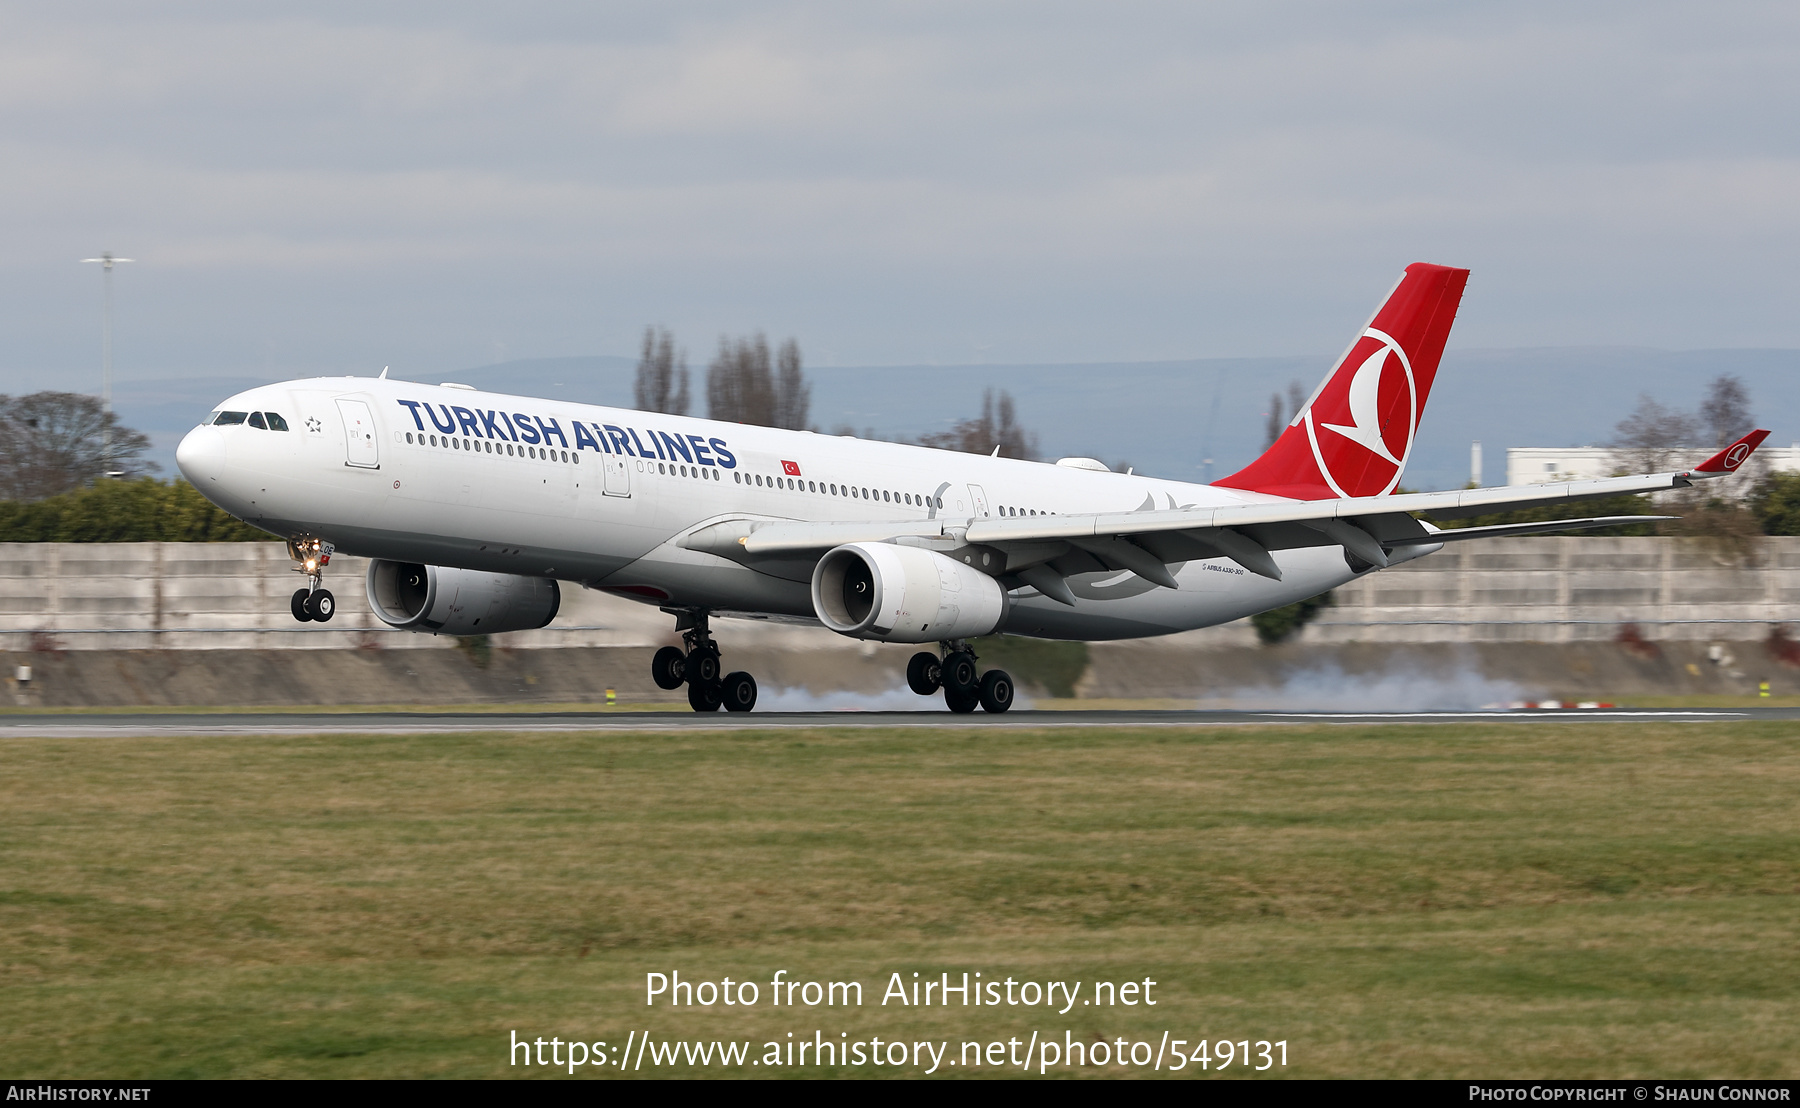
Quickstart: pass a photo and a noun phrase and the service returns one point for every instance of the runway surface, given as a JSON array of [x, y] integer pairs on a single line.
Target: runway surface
[[74, 725]]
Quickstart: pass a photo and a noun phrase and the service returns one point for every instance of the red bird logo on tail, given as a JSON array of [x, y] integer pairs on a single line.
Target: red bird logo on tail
[[1353, 438]]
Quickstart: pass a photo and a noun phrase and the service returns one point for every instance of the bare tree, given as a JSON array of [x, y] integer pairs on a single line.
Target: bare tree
[[1725, 413], [53, 442], [662, 376], [996, 427], [1273, 424], [1277, 420], [1650, 437], [793, 396], [740, 385]]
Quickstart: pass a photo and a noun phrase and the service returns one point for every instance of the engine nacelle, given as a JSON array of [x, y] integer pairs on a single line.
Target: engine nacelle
[[876, 590], [413, 597]]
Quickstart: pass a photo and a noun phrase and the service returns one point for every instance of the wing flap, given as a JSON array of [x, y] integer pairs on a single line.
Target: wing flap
[[1503, 530]]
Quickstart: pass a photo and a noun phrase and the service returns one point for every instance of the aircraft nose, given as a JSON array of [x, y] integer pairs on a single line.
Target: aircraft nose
[[201, 455]]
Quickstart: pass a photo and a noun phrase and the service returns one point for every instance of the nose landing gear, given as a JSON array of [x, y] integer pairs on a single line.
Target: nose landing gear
[[312, 603], [698, 667], [965, 688]]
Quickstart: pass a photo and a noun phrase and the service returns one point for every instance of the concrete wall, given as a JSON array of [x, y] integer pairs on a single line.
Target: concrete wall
[[132, 596], [234, 596], [1573, 589]]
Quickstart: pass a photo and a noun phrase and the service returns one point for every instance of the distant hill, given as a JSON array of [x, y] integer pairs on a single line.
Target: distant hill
[[1164, 418]]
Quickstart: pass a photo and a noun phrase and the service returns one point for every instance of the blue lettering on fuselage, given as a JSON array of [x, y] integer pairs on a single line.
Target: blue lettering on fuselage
[[676, 446], [605, 438]]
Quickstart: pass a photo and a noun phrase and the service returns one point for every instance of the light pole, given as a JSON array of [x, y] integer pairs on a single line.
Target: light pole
[[107, 261]]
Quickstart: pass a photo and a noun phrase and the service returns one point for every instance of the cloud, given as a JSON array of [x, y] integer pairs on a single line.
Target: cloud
[[893, 181]]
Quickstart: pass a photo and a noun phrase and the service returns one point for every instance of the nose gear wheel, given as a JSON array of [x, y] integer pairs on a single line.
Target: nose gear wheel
[[314, 603]]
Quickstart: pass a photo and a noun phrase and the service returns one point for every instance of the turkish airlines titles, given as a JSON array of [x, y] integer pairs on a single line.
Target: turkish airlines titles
[[605, 438]]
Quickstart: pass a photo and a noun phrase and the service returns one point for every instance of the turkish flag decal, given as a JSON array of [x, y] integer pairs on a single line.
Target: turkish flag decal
[[792, 469]]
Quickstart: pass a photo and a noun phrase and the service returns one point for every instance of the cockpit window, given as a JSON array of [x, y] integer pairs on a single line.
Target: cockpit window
[[256, 420], [276, 423], [222, 418]]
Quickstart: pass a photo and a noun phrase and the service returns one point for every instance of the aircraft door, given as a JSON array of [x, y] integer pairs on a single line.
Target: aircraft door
[[979, 498], [618, 475], [360, 447]]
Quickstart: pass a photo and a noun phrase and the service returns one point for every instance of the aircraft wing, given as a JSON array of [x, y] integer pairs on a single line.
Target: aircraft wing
[[1042, 550]]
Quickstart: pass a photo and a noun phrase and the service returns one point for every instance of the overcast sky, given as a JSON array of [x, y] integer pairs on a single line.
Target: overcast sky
[[334, 187]]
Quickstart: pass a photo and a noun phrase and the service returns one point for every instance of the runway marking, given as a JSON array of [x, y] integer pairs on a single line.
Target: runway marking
[[409, 723]]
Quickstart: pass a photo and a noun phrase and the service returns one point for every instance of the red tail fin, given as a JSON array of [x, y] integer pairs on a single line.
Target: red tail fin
[[1355, 434]]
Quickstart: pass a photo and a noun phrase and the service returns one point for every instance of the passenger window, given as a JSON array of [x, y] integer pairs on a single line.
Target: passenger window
[[231, 417], [276, 423]]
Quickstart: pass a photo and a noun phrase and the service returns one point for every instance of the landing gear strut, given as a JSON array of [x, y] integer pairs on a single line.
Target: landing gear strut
[[965, 687], [699, 668], [314, 602]]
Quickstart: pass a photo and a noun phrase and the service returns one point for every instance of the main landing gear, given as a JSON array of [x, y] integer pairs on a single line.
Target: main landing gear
[[964, 686], [698, 667], [314, 602]]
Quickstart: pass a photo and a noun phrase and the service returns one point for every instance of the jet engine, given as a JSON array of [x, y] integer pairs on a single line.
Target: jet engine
[[876, 590], [413, 597]]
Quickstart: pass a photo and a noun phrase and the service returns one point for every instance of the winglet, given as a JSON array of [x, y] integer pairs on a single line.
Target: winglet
[[1729, 459]]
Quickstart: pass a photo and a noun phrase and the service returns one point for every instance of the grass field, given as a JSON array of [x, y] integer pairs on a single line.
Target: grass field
[[1563, 900]]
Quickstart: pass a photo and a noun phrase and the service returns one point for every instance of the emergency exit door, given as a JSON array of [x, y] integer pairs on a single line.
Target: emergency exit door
[[979, 496], [618, 476]]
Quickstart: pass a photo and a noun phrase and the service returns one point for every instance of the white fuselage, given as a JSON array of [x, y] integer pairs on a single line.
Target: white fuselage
[[603, 496]]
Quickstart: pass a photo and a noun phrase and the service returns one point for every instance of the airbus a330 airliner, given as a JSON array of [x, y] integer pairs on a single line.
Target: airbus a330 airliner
[[476, 506]]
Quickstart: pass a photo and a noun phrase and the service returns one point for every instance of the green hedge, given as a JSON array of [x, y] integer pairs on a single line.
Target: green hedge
[[144, 510], [1281, 624], [1776, 503]]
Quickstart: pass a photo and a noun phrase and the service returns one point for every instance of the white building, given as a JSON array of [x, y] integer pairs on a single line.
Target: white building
[[1534, 465]]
